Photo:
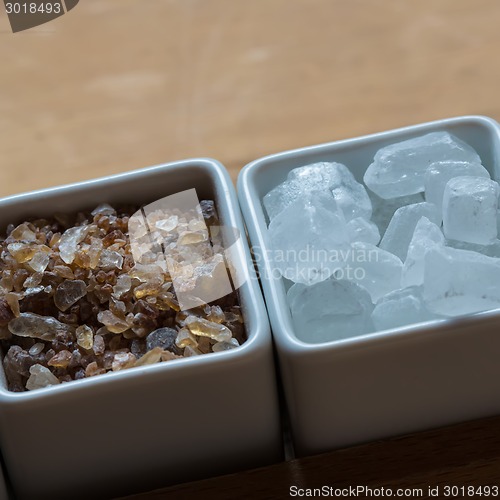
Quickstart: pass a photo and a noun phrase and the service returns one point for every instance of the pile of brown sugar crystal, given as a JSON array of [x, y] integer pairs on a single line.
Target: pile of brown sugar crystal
[[74, 303]]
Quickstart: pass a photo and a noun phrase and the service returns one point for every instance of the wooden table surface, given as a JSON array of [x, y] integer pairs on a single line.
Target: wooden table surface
[[116, 85], [464, 455]]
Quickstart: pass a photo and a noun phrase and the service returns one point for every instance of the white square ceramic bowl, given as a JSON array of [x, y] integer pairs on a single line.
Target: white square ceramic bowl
[[143, 428], [388, 383]]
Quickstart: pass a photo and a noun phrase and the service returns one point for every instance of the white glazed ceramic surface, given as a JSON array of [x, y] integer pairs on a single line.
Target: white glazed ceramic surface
[[388, 383], [4, 495], [145, 427]]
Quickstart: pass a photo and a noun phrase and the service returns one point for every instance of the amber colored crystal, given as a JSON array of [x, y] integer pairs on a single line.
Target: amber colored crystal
[[85, 337], [74, 303], [150, 357], [60, 360]]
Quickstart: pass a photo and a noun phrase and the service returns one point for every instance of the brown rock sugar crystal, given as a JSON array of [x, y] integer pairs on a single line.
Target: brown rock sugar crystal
[[74, 303]]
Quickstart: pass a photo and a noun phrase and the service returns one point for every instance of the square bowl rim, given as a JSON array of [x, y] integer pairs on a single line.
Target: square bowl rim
[[285, 337], [250, 294]]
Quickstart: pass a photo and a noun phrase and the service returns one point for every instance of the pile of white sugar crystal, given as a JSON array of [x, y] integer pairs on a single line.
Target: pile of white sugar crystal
[[418, 241]]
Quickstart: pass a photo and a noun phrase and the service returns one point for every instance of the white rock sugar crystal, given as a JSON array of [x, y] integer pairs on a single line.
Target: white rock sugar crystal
[[439, 173], [470, 206], [306, 237], [402, 226], [383, 210], [426, 236], [360, 229], [350, 195], [399, 169], [458, 282], [373, 268], [330, 310], [324, 230], [491, 250], [399, 308]]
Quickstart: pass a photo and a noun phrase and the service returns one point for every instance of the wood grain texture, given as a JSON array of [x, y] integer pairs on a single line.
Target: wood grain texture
[[461, 455], [122, 84]]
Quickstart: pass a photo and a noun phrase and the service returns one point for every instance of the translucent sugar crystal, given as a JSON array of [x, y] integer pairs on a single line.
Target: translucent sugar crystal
[[40, 377], [399, 169], [439, 173], [69, 292], [192, 237], [145, 272], [204, 328], [33, 281], [39, 262], [94, 252], [400, 308], [207, 273], [99, 345], [191, 351], [123, 285], [112, 322], [64, 272], [68, 244], [94, 369], [383, 210], [196, 225], [215, 313], [168, 224], [306, 236], [23, 232], [185, 338], [24, 252], [37, 327], [36, 349], [60, 360], [85, 336], [458, 282], [162, 337], [426, 236], [103, 209], [169, 356], [283, 195], [209, 280], [204, 344], [150, 358], [330, 310], [111, 260], [123, 360], [360, 229], [12, 300], [350, 195], [470, 206], [491, 250], [152, 287], [6, 313], [225, 346], [377, 270], [402, 226], [80, 303], [17, 363]]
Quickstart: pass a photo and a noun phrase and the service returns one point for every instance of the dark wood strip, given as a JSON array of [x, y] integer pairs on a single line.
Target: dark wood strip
[[463, 454]]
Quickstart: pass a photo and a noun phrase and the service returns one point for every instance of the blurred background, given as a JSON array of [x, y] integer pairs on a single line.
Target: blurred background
[[116, 85]]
